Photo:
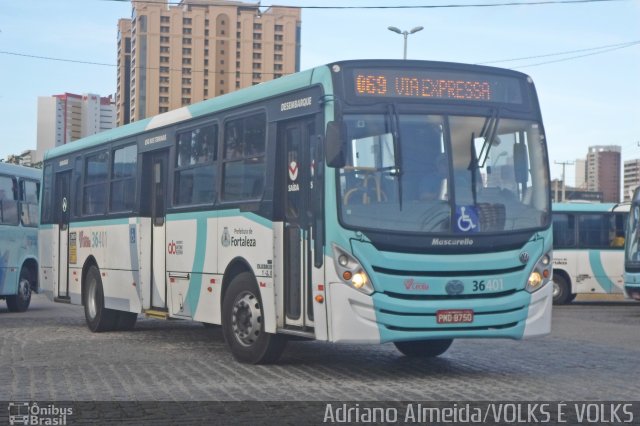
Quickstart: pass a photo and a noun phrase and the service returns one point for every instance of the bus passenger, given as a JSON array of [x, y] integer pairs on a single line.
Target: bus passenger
[[618, 240], [421, 147], [431, 185]]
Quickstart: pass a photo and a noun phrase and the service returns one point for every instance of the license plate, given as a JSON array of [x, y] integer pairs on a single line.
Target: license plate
[[454, 316]]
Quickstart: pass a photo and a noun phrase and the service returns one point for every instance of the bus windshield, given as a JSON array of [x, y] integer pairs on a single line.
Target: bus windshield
[[443, 174]]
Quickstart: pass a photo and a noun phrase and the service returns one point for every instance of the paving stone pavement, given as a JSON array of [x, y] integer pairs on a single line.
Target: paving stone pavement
[[48, 354]]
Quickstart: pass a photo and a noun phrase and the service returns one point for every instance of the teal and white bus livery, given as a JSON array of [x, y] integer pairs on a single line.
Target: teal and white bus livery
[[632, 249], [19, 214], [588, 249], [363, 201]]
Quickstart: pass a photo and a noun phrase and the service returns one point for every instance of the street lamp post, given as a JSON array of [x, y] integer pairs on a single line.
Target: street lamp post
[[405, 33]]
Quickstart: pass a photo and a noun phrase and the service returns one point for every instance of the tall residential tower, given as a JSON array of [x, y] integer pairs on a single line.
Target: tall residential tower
[[171, 56], [603, 171], [68, 117], [631, 178]]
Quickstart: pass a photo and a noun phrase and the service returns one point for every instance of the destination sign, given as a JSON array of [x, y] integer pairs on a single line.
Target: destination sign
[[437, 85]]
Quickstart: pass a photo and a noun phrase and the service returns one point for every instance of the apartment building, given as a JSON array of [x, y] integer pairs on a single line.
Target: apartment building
[[68, 117], [26, 158], [631, 178], [603, 171], [170, 56]]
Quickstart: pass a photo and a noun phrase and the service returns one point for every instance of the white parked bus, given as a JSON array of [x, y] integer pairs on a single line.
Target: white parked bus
[[301, 207], [19, 215], [588, 249], [632, 249]]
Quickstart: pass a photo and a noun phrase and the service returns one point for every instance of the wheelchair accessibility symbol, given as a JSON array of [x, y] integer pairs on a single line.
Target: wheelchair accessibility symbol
[[467, 219]]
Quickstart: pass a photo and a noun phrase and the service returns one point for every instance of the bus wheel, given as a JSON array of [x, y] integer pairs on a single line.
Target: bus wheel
[[561, 290], [243, 324], [98, 317], [424, 348], [20, 301]]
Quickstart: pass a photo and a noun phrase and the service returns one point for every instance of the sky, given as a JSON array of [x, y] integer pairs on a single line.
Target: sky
[[588, 97]]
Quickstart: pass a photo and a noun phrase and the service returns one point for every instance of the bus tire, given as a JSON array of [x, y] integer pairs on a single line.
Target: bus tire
[[126, 321], [561, 290], [21, 300], [424, 348], [243, 325], [98, 317]]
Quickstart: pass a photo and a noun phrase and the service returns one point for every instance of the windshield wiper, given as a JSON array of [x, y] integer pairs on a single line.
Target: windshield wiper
[[488, 133], [397, 155], [474, 167]]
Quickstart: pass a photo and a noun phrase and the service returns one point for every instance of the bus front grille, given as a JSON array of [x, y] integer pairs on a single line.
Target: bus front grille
[[448, 296], [446, 274]]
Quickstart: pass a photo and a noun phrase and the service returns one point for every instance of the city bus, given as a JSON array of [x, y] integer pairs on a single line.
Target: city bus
[[632, 249], [19, 215], [588, 249], [313, 207]]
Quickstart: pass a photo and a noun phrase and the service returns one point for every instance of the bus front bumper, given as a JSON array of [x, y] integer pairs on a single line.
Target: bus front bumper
[[358, 318]]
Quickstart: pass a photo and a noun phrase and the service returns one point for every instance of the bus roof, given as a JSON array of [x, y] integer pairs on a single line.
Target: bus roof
[[22, 171], [219, 103], [291, 82], [589, 207]]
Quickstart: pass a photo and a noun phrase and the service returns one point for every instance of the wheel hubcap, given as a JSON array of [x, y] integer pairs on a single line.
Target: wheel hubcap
[[91, 299], [24, 289], [556, 289], [247, 318]]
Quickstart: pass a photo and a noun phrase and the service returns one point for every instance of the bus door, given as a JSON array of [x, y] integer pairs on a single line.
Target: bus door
[[158, 161], [63, 208], [298, 266]]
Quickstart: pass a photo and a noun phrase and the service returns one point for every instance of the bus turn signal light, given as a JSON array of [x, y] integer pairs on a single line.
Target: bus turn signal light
[[319, 298]]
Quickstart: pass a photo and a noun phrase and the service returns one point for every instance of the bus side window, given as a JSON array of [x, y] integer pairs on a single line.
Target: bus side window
[[195, 171], [123, 179], [594, 230], [616, 235], [76, 188], [29, 203], [244, 163], [8, 201], [95, 183], [564, 230]]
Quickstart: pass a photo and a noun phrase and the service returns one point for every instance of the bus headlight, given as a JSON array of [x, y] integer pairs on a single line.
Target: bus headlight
[[535, 279], [351, 271], [541, 273], [359, 280]]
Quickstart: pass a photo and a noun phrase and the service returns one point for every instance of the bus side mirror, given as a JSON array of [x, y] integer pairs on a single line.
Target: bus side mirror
[[334, 148], [521, 163]]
